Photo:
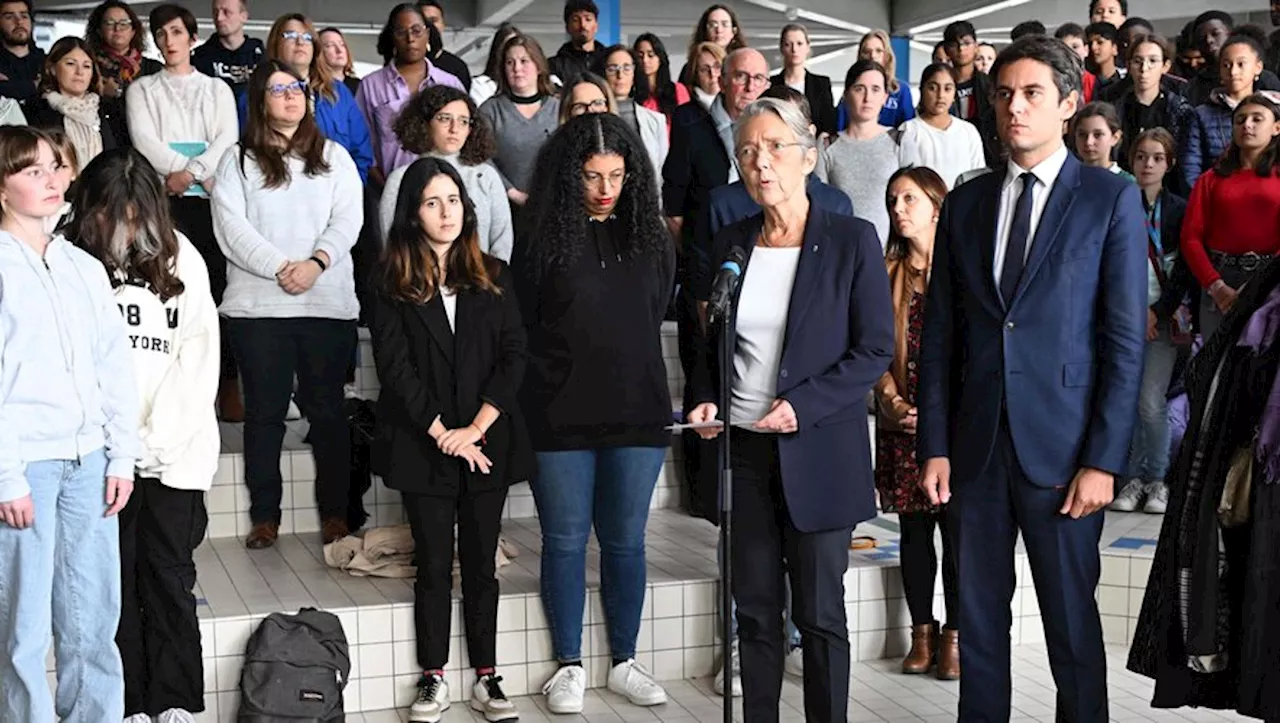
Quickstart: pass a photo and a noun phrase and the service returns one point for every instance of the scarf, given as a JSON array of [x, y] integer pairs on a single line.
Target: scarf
[[1259, 335], [124, 66], [724, 126], [81, 123]]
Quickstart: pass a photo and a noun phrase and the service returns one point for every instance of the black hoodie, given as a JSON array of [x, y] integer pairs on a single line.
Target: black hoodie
[[596, 376], [570, 61]]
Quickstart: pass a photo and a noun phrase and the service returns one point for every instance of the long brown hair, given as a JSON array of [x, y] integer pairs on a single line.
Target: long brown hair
[[539, 58], [270, 148], [60, 50], [116, 186], [935, 189], [321, 78], [409, 270]]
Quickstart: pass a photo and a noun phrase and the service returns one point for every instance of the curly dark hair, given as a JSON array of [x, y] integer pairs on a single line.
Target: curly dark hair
[[556, 218], [93, 28], [413, 127]]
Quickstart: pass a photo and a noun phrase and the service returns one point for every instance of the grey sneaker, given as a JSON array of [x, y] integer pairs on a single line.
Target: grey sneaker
[[1157, 498], [734, 672], [1130, 498]]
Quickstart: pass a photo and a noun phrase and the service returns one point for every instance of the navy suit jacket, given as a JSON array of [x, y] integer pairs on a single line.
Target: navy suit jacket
[[1064, 357], [731, 203], [837, 343]]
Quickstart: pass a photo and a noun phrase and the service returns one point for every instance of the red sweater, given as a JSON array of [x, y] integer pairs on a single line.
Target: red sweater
[[1233, 215], [682, 97]]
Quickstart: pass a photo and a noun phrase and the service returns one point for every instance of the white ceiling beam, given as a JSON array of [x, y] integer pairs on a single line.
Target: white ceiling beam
[[793, 13], [491, 13], [967, 15]]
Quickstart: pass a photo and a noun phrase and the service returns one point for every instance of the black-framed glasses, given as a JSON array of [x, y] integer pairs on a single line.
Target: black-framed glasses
[[296, 36], [125, 24], [414, 31], [599, 105], [280, 90], [448, 119]]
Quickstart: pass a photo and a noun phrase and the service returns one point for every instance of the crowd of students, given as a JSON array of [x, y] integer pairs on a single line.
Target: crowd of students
[[514, 239]]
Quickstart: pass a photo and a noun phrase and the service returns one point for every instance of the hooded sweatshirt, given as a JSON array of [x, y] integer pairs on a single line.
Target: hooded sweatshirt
[[174, 344], [65, 373]]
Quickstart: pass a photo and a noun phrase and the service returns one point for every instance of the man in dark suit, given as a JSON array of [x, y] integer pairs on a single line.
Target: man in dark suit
[[1030, 368]]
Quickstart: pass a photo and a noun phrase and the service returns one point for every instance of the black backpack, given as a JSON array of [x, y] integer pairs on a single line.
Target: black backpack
[[295, 668]]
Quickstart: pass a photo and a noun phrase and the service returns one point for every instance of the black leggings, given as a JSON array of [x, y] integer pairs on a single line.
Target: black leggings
[[920, 566]]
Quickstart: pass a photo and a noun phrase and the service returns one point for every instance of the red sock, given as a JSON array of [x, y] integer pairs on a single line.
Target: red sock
[[481, 672], [434, 672]]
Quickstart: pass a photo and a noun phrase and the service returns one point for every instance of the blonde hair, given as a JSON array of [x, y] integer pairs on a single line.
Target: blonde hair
[[889, 63], [705, 46]]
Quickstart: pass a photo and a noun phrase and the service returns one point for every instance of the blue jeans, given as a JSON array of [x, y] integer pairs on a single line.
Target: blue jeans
[[609, 487], [793, 633], [62, 575], [1149, 452]]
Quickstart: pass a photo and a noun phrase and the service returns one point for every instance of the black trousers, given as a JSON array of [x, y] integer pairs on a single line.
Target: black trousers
[[194, 219], [767, 546], [920, 566], [269, 353], [159, 634], [479, 520]]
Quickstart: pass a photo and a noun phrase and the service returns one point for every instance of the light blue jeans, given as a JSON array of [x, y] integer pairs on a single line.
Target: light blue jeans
[[1149, 451], [62, 575]]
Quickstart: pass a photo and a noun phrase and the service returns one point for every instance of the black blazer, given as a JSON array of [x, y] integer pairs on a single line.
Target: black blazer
[[822, 105], [839, 340], [428, 370], [1180, 281], [115, 131], [696, 163]]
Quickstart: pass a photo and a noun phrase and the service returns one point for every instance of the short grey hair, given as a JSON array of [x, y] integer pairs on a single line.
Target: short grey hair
[[731, 61], [787, 112]]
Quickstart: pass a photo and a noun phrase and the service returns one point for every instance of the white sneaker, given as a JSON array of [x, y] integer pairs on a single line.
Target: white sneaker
[[1130, 497], [174, 715], [432, 702], [794, 662], [566, 690], [293, 414], [1157, 498], [735, 673], [138, 718], [487, 697], [631, 680]]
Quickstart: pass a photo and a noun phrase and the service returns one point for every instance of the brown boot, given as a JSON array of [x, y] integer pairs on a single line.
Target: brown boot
[[230, 405], [949, 655], [334, 529], [262, 536], [920, 659]]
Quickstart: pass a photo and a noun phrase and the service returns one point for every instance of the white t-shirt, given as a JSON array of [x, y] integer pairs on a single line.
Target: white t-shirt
[[950, 152], [450, 299], [761, 327]]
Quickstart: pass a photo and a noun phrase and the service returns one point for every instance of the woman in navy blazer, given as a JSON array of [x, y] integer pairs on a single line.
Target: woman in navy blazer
[[812, 331]]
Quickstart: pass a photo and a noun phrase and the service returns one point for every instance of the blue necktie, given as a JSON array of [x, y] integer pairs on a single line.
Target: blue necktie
[[1015, 254]]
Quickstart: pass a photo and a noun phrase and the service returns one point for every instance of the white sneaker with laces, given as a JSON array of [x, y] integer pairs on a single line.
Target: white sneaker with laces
[[1157, 498], [1130, 497], [794, 662], [632, 681], [176, 715], [138, 718], [487, 698], [432, 701], [566, 690], [735, 673]]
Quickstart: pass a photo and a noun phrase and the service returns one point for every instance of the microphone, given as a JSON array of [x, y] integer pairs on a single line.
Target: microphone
[[725, 284]]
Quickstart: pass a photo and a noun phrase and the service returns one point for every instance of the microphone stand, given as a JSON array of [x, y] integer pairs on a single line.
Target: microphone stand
[[726, 514]]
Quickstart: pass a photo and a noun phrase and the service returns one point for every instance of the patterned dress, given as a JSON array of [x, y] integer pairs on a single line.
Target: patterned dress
[[897, 471]]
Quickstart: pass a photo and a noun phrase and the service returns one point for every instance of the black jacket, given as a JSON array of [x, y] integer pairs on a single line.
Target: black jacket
[[23, 74], [428, 370], [569, 61], [115, 130], [1180, 282], [450, 63], [817, 89], [1199, 87], [696, 163], [985, 118], [1113, 92]]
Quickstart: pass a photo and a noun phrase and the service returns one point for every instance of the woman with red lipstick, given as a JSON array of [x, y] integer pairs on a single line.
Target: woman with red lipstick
[[594, 276], [450, 351]]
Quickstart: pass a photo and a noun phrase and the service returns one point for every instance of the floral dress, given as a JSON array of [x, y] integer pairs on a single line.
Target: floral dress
[[897, 470]]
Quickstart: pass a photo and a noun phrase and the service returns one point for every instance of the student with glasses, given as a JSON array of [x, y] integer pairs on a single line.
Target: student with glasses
[[1148, 102], [117, 38], [523, 114], [708, 65], [718, 25], [292, 40], [585, 93], [384, 92], [973, 87], [618, 66], [287, 209], [183, 122], [444, 123]]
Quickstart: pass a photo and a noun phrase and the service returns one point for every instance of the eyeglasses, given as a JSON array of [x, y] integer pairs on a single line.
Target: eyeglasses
[[743, 78], [624, 69], [709, 70], [448, 119], [296, 36], [599, 105], [613, 180], [125, 24], [414, 31], [772, 150], [280, 90]]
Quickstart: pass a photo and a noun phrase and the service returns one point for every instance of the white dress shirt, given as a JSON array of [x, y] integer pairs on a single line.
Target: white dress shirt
[[1046, 172]]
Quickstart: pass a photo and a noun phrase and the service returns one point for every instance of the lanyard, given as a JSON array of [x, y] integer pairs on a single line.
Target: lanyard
[[1153, 226]]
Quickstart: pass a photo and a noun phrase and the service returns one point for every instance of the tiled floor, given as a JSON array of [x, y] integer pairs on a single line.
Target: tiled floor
[[877, 693]]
